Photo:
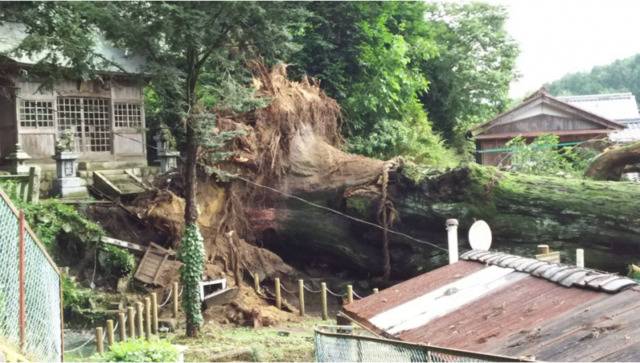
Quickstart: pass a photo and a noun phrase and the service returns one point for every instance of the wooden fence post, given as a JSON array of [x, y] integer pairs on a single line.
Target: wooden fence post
[[110, 338], [99, 342], [323, 297], [121, 326], [175, 300], [301, 296], [33, 188], [147, 318], [375, 290], [22, 313], [139, 318], [349, 294], [132, 323], [278, 296], [154, 313], [580, 257]]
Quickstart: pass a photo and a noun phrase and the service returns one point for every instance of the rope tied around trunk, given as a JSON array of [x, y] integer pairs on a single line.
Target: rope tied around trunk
[[386, 215]]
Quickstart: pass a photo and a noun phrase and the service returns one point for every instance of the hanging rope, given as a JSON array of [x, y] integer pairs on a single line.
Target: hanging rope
[[385, 218], [356, 295], [333, 293], [167, 299], [311, 290]]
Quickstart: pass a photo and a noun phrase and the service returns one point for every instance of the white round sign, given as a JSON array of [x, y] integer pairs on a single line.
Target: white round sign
[[480, 236]]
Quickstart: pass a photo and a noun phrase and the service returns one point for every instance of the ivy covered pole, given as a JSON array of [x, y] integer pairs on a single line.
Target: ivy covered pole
[[191, 253]]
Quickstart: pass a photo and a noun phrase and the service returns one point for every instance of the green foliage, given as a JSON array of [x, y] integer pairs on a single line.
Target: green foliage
[[544, 156], [74, 296], [191, 253], [623, 75], [470, 76], [367, 57], [139, 350], [51, 219], [115, 262]]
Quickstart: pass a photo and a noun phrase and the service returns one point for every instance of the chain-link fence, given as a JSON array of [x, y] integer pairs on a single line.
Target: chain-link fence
[[30, 295], [343, 344]]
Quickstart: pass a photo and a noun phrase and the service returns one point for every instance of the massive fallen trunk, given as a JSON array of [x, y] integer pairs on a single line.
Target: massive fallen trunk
[[611, 164], [523, 210]]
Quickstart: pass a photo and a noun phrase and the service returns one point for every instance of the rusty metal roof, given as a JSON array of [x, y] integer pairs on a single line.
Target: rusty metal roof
[[496, 303]]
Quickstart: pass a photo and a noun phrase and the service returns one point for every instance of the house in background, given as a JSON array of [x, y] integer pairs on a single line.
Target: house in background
[[106, 116], [573, 119]]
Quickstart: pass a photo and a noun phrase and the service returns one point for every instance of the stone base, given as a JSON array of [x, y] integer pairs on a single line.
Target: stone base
[[71, 187]]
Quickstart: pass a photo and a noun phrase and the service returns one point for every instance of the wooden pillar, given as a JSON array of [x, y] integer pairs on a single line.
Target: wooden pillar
[[349, 294], [147, 318], [278, 295], [154, 313], [375, 290], [175, 300], [139, 319], [99, 342], [323, 297], [110, 337], [131, 315], [122, 326], [301, 296]]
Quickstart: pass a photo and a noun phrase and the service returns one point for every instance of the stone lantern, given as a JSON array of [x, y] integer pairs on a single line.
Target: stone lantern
[[18, 160], [67, 182], [167, 154]]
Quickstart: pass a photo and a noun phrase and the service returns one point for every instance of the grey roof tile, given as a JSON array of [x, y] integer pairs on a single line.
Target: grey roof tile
[[565, 275]]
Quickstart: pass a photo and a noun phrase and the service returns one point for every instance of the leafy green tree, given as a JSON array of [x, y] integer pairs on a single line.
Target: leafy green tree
[[470, 76], [195, 52], [545, 156], [623, 75], [367, 56]]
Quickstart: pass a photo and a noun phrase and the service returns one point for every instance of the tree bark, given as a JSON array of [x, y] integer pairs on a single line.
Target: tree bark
[[610, 165], [522, 210]]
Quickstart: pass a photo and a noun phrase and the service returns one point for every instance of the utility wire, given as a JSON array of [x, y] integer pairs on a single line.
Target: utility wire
[[331, 210]]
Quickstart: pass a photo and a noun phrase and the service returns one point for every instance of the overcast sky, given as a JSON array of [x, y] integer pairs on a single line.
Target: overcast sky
[[562, 36]]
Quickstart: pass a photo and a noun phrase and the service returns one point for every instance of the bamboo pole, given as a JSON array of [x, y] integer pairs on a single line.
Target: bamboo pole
[[375, 290], [301, 296], [132, 322], [256, 282], [175, 300], [140, 319], [122, 327], [349, 294], [323, 297], [154, 313], [147, 318], [278, 295], [110, 337], [99, 342]]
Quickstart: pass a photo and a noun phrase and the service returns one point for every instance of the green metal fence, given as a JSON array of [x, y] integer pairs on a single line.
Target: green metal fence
[[343, 344], [30, 289]]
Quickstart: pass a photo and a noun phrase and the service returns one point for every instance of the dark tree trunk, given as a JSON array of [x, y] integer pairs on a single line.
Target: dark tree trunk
[[522, 210]]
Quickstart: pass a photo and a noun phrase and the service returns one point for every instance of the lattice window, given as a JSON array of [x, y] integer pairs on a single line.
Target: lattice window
[[97, 124], [70, 117], [89, 118], [36, 113], [128, 115]]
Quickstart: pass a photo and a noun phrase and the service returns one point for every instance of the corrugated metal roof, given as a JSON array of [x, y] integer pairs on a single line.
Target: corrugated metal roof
[[614, 106], [12, 34], [497, 303]]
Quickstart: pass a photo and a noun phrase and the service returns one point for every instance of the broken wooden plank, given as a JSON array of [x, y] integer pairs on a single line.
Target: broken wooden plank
[[121, 243]]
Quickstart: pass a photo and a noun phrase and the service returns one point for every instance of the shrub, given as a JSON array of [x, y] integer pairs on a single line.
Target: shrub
[[115, 262], [139, 350]]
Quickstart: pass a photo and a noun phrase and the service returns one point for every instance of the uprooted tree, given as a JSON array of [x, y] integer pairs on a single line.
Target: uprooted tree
[[292, 147]]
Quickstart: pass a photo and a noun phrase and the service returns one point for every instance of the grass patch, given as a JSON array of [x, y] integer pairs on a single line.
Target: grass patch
[[291, 342]]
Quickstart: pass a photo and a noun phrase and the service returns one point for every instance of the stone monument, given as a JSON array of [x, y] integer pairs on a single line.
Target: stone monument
[[67, 183]]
